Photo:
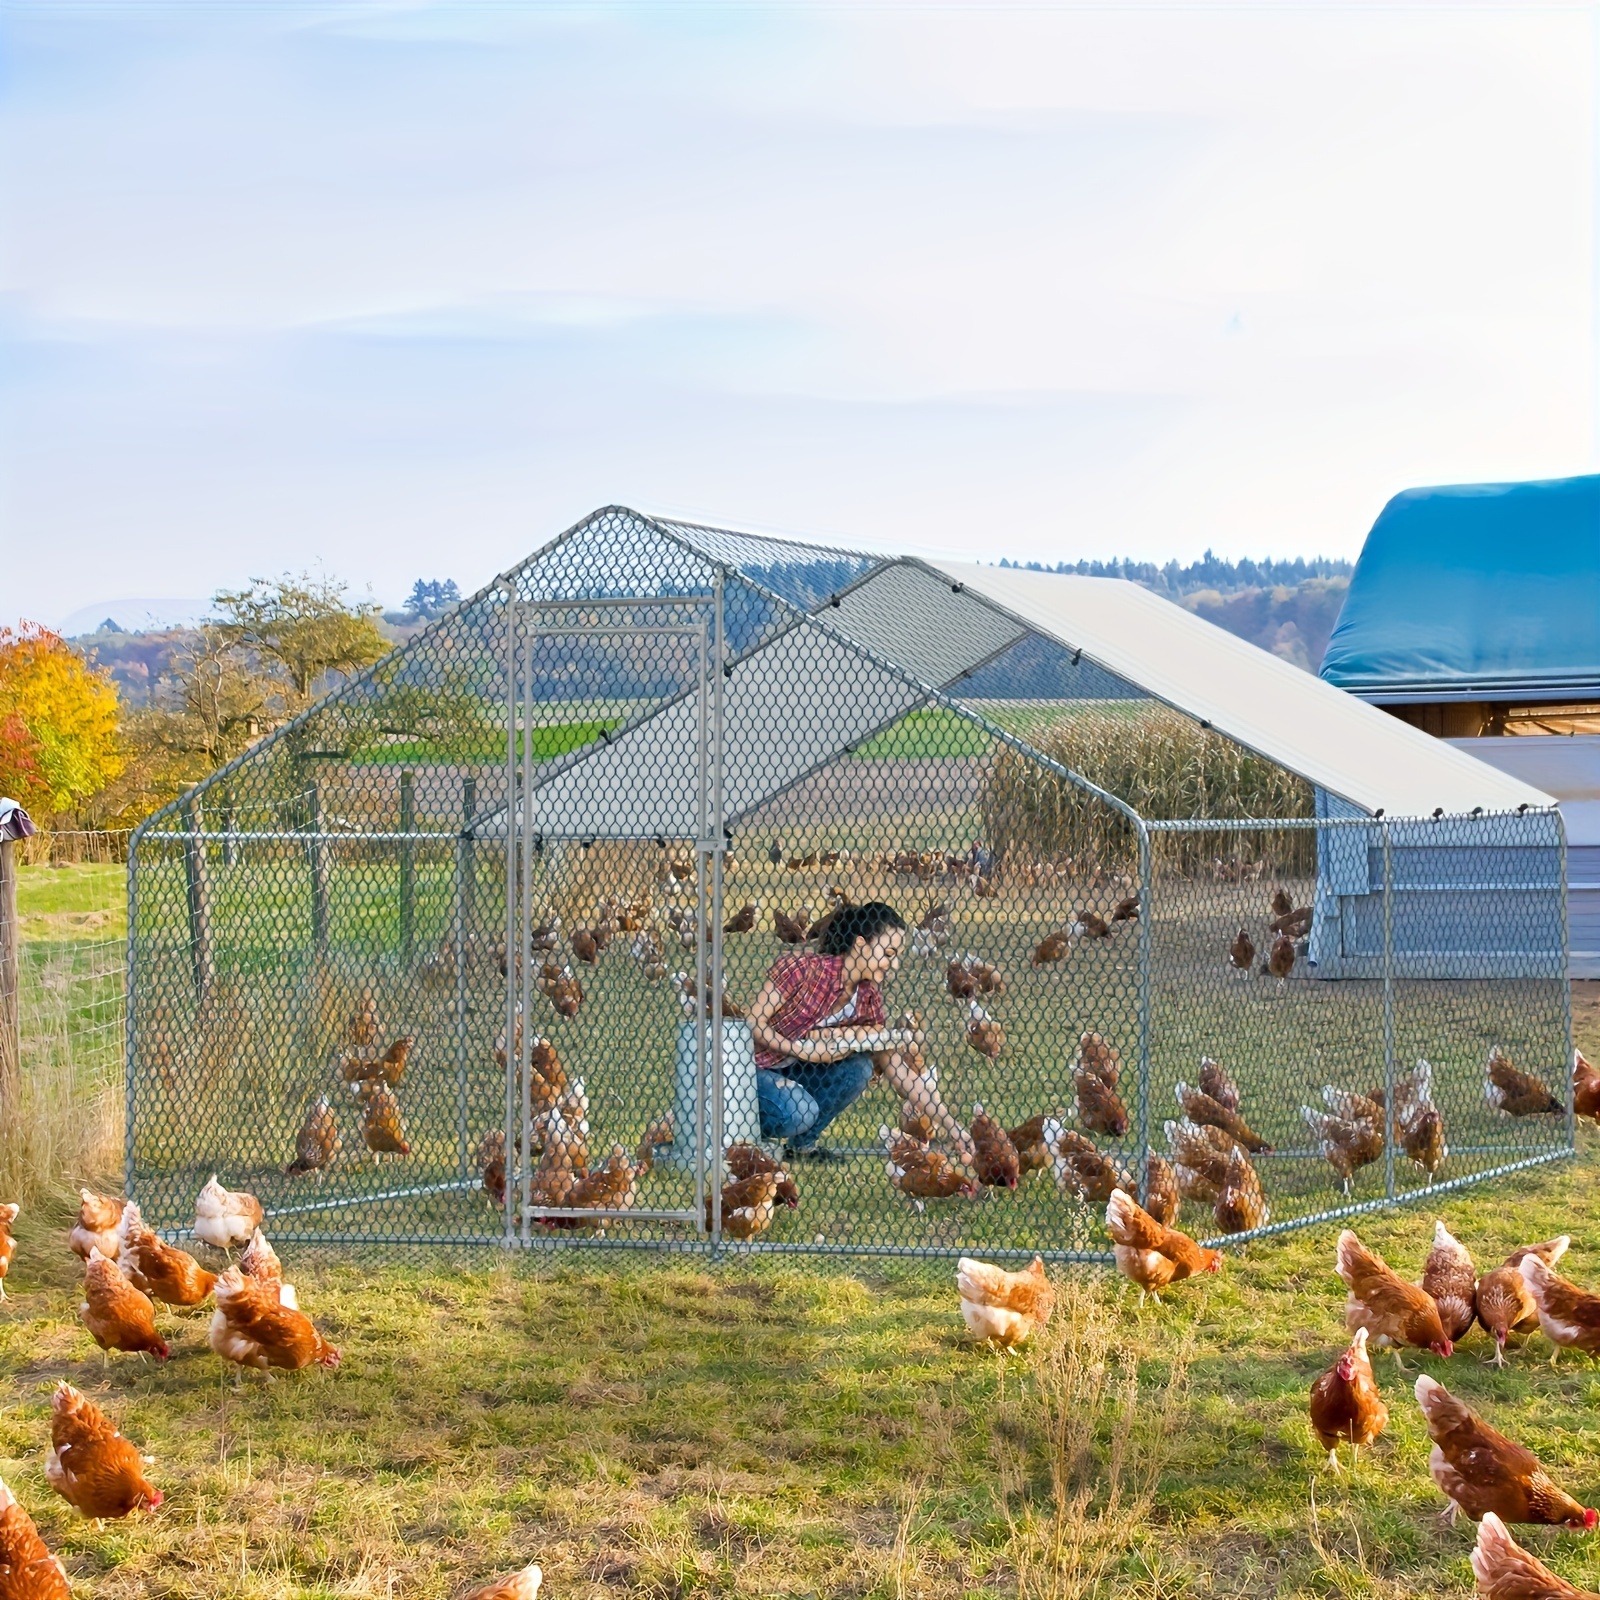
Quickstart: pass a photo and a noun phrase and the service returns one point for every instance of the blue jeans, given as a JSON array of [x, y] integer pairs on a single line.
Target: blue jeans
[[800, 1098]]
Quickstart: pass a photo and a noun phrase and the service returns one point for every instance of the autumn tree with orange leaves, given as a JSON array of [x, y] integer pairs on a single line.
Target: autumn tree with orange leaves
[[59, 744]]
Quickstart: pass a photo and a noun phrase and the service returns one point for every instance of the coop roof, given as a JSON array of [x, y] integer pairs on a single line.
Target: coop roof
[[1330, 738], [1484, 591]]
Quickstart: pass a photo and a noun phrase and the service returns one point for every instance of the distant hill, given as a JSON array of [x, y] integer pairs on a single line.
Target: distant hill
[[1288, 608]]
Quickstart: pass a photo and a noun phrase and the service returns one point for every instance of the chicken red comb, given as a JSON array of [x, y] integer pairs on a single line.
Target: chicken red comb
[[1590, 1517]]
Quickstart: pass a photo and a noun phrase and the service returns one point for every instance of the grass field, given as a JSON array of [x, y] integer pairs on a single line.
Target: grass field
[[753, 1430]]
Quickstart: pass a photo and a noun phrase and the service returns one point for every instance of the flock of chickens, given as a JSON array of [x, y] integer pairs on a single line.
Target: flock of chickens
[[256, 1324], [1480, 1471]]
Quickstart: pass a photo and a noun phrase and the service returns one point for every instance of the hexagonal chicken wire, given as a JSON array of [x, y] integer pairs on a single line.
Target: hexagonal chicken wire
[[462, 954]]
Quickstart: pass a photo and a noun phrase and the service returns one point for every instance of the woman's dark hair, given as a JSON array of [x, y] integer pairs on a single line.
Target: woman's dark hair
[[849, 923]]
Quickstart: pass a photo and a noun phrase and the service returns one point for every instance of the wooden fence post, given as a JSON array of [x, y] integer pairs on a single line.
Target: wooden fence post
[[10, 1008], [408, 866], [319, 875], [197, 892]]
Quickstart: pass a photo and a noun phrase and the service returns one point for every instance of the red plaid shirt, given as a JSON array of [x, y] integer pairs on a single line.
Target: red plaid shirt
[[812, 987]]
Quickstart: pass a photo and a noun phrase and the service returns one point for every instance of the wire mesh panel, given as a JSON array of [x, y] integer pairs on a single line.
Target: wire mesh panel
[[688, 890]]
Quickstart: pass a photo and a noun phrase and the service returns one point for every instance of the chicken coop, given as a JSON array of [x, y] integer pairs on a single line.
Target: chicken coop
[[464, 954]]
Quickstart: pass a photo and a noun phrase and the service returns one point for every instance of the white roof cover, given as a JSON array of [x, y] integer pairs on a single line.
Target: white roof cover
[[1326, 736]]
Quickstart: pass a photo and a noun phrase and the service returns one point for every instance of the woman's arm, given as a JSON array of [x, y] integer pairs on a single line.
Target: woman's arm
[[827, 1044]]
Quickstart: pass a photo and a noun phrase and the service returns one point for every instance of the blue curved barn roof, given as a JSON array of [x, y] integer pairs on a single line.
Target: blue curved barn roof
[[1480, 591]]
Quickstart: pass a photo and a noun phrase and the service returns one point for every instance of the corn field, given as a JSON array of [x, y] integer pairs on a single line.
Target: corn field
[[1164, 766]]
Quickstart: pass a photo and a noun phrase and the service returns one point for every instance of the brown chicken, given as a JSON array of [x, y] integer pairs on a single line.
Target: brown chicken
[[585, 946], [8, 1245], [789, 929], [1280, 959], [260, 1261], [1081, 1168], [1033, 1150], [1515, 1093], [491, 1160], [959, 981], [258, 1325], [1282, 902], [1347, 1143], [923, 1172], [561, 989], [1201, 1108], [1505, 1304], [1417, 1120], [317, 1142], [1393, 1312], [746, 1160], [1161, 1197], [1100, 1108], [1242, 952], [1091, 925], [1098, 1055], [1126, 910], [1200, 1158], [362, 1028], [1478, 1469], [1214, 1081], [984, 1034], [1292, 924], [1001, 1307], [522, 1585], [612, 1187], [1450, 1277], [1505, 1571], [381, 1129], [1241, 1203], [90, 1465], [1569, 1316], [743, 920], [96, 1227], [118, 1316], [1050, 949], [1346, 1405], [1149, 1253], [158, 1269], [995, 1158], [747, 1205], [1585, 1087], [390, 1066], [28, 1571]]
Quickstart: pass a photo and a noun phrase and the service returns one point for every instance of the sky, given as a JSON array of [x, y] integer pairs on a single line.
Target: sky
[[402, 291]]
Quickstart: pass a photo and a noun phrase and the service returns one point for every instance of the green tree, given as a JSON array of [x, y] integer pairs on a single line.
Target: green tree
[[301, 628]]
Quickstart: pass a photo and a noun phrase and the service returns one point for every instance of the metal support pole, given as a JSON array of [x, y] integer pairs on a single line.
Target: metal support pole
[[513, 974], [1388, 1012], [318, 866], [465, 863], [1570, 1065], [715, 837], [230, 847], [408, 869], [197, 897], [701, 1008], [1146, 949], [525, 942]]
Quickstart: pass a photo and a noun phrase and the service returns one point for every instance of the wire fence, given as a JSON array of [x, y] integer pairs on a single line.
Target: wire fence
[[72, 971], [469, 953]]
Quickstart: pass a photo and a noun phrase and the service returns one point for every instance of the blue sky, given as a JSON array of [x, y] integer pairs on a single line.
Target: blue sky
[[403, 290]]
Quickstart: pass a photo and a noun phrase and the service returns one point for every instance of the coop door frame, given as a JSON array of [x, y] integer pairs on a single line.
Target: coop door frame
[[527, 622]]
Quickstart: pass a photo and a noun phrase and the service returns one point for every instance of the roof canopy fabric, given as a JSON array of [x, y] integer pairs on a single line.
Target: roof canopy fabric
[[1480, 592]]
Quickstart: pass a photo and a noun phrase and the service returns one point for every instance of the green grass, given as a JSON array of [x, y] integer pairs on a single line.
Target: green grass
[[549, 741], [662, 1431], [72, 903]]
